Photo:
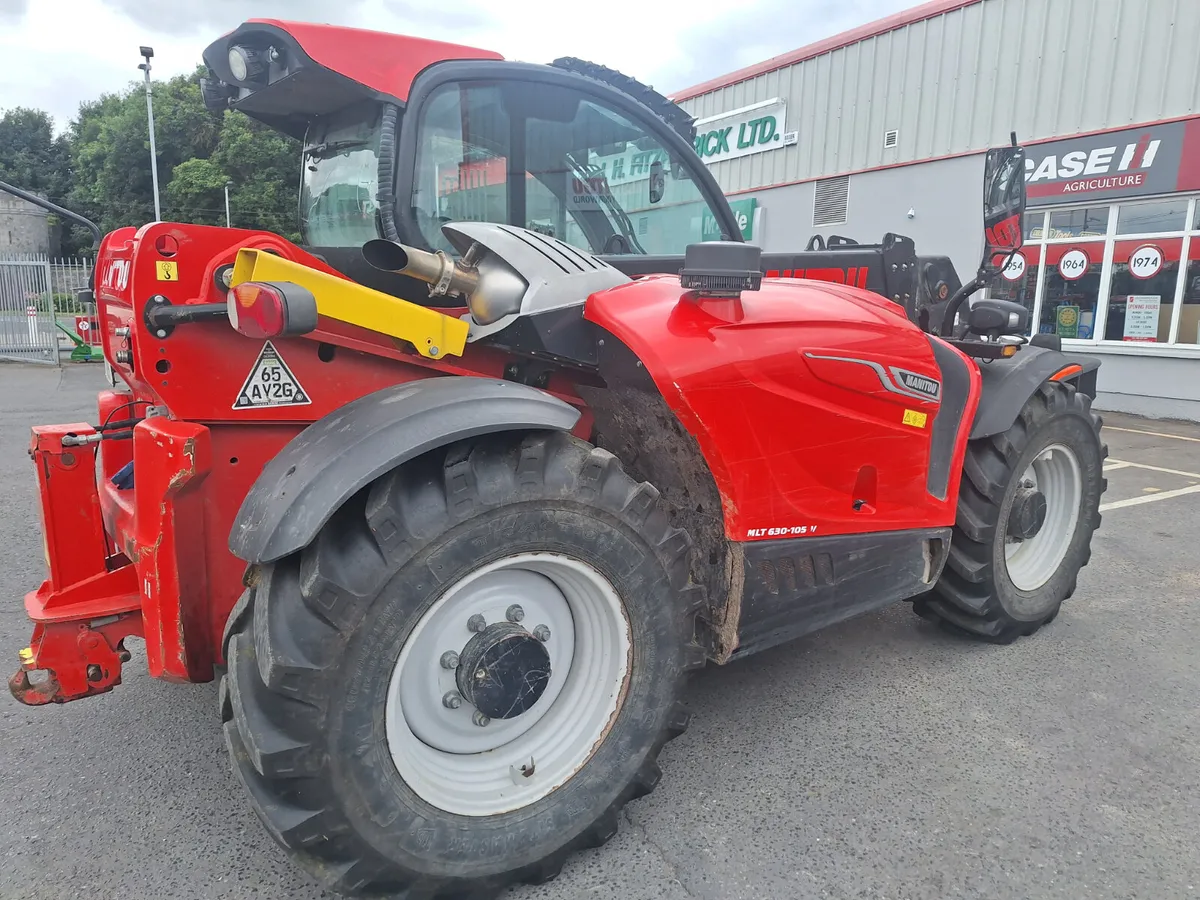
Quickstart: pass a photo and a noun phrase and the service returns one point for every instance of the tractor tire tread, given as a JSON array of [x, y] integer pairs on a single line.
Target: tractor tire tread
[[965, 600], [287, 635]]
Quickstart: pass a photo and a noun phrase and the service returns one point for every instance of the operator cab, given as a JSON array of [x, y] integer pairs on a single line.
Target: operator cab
[[460, 135]]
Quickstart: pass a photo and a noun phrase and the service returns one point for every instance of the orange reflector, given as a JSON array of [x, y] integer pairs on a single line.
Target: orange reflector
[[1010, 350], [1066, 373]]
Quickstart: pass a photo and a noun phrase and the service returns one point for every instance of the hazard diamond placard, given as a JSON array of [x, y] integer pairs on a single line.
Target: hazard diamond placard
[[271, 383]]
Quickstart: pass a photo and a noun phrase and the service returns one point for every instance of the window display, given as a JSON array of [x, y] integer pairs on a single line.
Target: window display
[[1138, 285], [1141, 296], [1189, 312], [1018, 282], [1078, 223], [1071, 289]]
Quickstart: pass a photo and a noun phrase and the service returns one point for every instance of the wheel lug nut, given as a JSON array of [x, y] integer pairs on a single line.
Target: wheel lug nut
[[449, 660], [452, 700], [476, 623], [480, 719], [514, 613], [542, 633]]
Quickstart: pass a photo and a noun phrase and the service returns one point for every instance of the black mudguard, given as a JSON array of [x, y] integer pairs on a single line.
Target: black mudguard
[[1008, 383], [334, 458]]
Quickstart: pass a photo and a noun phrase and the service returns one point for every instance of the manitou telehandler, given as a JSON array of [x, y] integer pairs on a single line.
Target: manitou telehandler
[[455, 495]]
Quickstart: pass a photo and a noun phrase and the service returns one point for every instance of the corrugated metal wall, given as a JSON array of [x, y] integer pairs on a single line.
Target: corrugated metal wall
[[963, 80]]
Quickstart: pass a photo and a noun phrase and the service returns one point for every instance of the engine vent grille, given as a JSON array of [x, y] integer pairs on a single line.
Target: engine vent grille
[[831, 199], [560, 253]]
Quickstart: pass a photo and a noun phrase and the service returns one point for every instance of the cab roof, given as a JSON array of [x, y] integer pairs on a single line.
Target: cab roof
[[308, 70], [387, 63]]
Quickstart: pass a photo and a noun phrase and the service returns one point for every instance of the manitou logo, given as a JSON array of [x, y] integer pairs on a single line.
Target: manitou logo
[[918, 383], [116, 276]]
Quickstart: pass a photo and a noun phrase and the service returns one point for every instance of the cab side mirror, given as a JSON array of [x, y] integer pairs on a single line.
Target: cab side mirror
[[658, 181], [1003, 205]]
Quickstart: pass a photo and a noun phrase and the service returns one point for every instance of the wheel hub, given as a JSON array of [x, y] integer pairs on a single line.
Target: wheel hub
[[1028, 514], [503, 671]]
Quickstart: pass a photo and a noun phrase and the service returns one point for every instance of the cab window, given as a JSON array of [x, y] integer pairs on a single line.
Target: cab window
[[557, 161], [340, 184]]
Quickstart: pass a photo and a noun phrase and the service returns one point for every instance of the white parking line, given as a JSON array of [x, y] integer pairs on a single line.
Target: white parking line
[[1178, 437], [1121, 464], [1150, 498]]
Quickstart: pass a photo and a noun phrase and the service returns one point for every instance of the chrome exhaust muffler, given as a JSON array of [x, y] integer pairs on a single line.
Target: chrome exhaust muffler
[[443, 274]]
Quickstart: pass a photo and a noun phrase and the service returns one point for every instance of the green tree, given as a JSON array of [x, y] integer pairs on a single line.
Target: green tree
[[31, 157], [197, 153]]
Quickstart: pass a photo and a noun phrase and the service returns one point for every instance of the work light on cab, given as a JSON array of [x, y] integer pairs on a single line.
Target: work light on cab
[[266, 309], [246, 63]]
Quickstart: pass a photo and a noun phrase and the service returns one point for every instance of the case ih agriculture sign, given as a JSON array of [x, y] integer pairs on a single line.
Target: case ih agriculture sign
[[1152, 159]]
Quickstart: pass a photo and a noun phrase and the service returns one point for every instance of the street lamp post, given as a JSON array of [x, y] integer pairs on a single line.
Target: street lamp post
[[147, 55], [228, 218]]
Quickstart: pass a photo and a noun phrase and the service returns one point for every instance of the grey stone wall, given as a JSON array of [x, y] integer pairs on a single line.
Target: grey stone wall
[[24, 229]]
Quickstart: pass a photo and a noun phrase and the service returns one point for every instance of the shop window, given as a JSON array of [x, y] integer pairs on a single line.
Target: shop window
[[1078, 223], [1035, 225], [1071, 289], [1189, 313], [1196, 220], [1153, 218], [1142, 293], [1018, 280]]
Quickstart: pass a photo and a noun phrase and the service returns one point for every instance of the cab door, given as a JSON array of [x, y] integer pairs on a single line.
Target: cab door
[[554, 152]]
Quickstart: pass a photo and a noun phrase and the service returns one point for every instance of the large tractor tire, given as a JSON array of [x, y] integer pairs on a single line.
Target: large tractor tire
[[467, 674], [1027, 507]]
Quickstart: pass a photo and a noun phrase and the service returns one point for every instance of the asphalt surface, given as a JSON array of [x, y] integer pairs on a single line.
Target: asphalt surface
[[879, 759]]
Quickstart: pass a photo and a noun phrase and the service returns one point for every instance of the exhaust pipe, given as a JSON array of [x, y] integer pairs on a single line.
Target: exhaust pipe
[[437, 269]]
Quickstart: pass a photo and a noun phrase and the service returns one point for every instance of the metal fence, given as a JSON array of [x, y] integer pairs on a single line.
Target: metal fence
[[37, 295]]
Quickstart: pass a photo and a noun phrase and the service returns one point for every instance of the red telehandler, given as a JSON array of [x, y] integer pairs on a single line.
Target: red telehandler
[[455, 495]]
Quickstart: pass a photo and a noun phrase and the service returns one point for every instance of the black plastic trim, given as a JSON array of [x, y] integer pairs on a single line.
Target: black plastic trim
[[334, 458], [1008, 383], [798, 586], [948, 421]]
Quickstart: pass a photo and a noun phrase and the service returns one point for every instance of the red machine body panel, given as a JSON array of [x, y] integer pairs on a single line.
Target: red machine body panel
[[387, 63], [148, 554], [784, 390]]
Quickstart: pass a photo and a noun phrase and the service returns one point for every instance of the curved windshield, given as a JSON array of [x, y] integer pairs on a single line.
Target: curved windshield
[[340, 185], [555, 160]]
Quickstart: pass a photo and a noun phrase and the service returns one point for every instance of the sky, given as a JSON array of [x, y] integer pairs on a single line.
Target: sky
[[55, 54]]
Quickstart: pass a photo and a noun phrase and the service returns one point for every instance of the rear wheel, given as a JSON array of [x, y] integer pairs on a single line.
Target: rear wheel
[[1027, 508], [467, 674]]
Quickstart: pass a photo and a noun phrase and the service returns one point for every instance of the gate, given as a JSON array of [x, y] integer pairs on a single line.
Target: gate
[[27, 311]]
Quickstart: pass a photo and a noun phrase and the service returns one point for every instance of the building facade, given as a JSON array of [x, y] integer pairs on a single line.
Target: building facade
[[24, 228], [884, 129]]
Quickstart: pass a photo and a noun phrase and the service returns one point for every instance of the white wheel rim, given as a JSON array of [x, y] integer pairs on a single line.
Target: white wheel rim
[[1056, 473], [463, 768]]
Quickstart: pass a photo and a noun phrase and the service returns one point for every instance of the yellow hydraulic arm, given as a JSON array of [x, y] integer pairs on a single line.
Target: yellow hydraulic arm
[[433, 334]]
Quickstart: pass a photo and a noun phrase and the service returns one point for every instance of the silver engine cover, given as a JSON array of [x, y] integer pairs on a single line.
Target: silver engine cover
[[525, 273]]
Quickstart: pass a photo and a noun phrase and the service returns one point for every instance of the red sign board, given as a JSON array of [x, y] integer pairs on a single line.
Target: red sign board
[[1149, 159]]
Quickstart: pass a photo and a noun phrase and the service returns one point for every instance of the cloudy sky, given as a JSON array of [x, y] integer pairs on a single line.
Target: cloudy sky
[[55, 54]]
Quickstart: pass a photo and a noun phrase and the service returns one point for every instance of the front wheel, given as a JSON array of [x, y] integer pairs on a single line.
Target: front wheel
[[1028, 505], [467, 674]]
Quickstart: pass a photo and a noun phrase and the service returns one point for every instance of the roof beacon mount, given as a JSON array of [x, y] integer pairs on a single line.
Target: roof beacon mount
[[721, 268]]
